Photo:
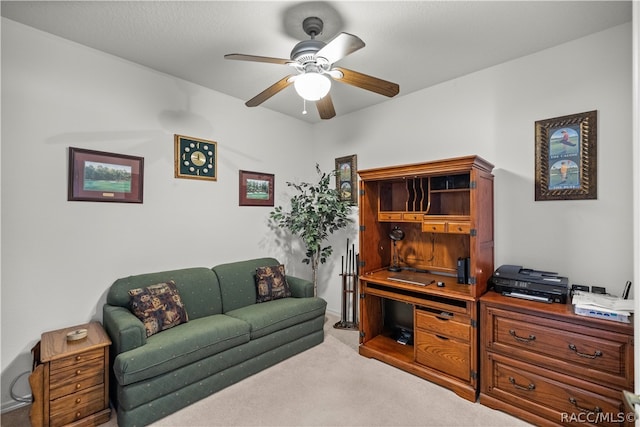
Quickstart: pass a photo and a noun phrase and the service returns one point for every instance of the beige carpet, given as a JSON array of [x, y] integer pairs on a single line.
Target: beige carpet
[[328, 385], [332, 385]]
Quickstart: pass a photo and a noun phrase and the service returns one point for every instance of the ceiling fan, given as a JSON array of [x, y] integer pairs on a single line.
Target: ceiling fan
[[313, 61]]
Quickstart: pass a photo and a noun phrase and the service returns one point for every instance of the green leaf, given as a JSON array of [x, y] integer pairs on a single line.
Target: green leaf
[[315, 213]]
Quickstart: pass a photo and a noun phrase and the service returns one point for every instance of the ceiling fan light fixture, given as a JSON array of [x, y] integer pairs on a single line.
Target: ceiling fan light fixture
[[312, 86]]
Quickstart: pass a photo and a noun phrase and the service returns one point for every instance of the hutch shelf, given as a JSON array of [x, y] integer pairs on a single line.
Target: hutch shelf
[[419, 295]]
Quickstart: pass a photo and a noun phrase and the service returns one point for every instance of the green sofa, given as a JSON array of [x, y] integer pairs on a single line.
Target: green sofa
[[227, 338]]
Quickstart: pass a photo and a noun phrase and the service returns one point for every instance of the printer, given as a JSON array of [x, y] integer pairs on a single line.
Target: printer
[[526, 283]]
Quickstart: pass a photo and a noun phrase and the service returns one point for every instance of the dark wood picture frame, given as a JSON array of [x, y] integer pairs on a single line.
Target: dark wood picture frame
[[256, 188], [98, 176], [566, 157], [347, 178]]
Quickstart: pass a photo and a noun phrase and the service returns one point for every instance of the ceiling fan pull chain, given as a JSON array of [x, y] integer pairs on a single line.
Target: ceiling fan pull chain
[[304, 106]]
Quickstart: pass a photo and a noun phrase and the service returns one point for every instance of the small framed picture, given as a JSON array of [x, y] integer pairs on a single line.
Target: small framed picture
[[566, 157], [98, 176], [347, 178], [256, 188]]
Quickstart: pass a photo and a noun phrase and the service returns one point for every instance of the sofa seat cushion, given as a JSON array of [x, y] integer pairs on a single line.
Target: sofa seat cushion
[[268, 317], [180, 346]]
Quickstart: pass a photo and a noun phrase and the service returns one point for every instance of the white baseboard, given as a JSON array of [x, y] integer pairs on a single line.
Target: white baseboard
[[12, 406]]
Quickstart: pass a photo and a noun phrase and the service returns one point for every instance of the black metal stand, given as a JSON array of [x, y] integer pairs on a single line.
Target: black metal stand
[[349, 318]]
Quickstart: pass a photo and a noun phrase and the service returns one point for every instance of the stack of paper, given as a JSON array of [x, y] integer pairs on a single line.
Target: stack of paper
[[602, 306]]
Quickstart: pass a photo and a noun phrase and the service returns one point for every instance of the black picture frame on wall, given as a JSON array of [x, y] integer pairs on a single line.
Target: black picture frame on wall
[[566, 160], [98, 176], [347, 178]]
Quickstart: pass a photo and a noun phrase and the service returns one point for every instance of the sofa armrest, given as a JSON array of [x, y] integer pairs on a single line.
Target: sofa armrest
[[300, 288], [125, 330]]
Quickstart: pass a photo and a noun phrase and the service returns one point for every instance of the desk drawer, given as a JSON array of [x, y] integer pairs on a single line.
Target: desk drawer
[[389, 216], [459, 227], [445, 323], [434, 227], [445, 354], [413, 217]]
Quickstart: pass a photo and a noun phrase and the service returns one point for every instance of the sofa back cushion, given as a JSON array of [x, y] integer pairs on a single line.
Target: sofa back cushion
[[238, 282], [198, 287]]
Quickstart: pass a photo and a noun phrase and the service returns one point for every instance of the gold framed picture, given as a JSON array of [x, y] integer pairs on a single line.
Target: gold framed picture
[[195, 158]]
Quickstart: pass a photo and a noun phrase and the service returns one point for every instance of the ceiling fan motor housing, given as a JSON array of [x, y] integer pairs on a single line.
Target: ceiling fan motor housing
[[306, 50]]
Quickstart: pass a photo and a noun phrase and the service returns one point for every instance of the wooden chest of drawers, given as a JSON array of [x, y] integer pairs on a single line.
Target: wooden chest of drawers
[[543, 363], [70, 383]]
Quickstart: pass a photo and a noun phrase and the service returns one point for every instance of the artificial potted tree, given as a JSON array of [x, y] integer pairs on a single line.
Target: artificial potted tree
[[316, 211]]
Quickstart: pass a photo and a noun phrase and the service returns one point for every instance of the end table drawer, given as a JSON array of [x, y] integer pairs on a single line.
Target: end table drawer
[[75, 379], [76, 406], [77, 359], [444, 354]]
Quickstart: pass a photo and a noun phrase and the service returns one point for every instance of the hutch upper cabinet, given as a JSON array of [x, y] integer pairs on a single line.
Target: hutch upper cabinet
[[423, 316]]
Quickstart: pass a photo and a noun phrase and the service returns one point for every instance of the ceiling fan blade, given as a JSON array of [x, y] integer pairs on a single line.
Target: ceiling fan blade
[[341, 45], [364, 81], [269, 92], [325, 107], [254, 58]]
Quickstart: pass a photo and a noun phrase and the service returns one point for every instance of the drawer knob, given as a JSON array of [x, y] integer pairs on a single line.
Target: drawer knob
[[595, 354], [574, 402], [521, 339], [530, 387]]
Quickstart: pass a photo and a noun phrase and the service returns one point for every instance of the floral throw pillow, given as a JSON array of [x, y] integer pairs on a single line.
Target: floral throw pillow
[[271, 283], [159, 307]]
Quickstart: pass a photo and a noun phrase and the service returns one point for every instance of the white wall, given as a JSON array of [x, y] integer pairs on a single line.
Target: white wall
[[492, 113], [59, 257]]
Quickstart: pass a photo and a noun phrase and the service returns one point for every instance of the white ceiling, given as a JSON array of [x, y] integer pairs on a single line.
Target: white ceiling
[[416, 44]]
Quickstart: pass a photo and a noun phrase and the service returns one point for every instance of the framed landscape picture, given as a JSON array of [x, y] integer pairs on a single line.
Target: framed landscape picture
[[347, 179], [566, 157], [256, 188], [98, 176]]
